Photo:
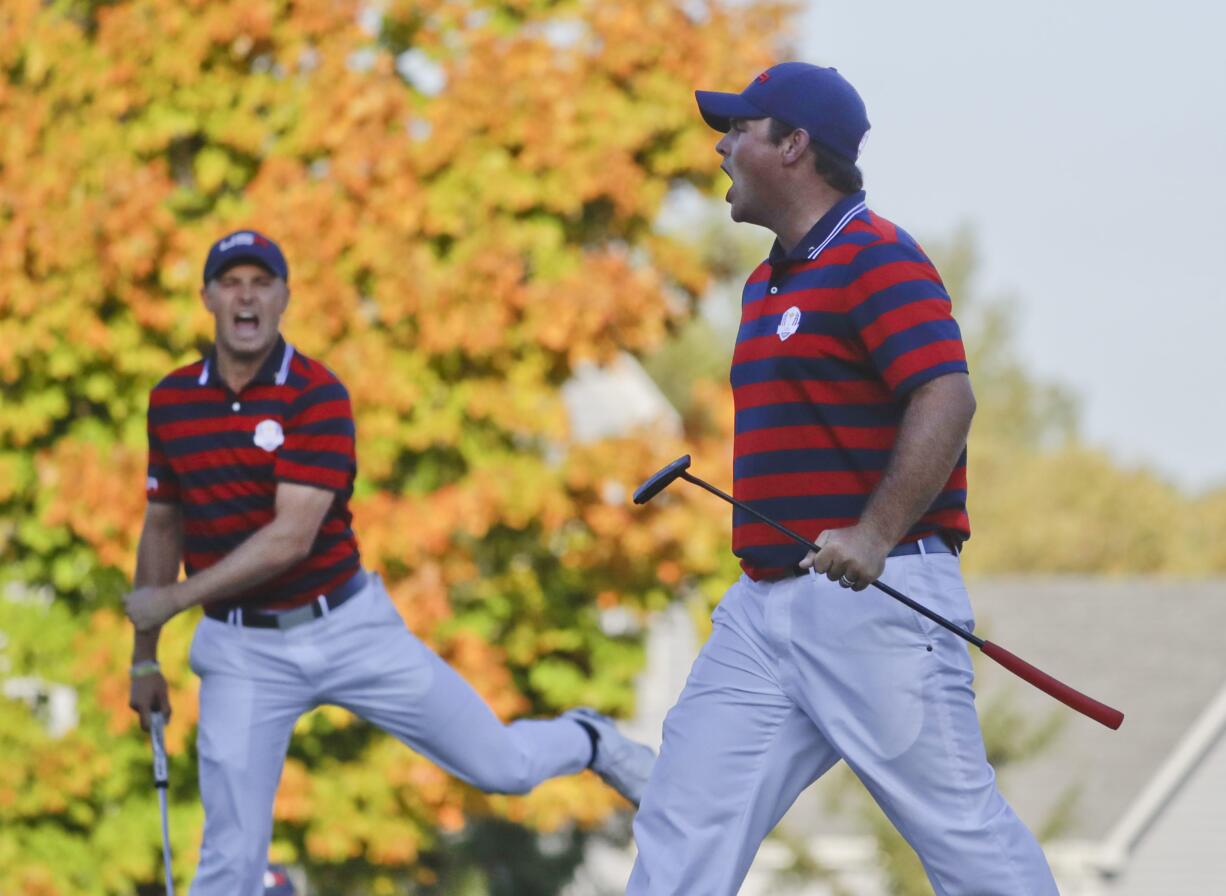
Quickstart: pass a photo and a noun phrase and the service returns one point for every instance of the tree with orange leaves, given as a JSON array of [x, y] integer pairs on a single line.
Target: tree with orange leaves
[[470, 192]]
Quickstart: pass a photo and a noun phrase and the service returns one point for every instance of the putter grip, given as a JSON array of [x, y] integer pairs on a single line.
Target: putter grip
[[157, 730], [1087, 706]]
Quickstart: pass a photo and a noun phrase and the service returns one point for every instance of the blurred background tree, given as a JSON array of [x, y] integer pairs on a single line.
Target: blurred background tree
[[467, 193]]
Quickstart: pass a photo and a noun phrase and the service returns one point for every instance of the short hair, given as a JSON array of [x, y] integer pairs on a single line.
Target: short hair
[[837, 172]]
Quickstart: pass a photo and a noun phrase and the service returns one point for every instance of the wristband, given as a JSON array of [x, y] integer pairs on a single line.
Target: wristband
[[145, 667]]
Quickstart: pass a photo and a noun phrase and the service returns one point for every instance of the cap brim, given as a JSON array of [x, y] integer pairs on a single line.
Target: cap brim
[[237, 260], [718, 109]]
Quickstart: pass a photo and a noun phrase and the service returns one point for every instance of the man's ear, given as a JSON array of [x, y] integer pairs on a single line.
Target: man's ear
[[795, 145], [204, 297]]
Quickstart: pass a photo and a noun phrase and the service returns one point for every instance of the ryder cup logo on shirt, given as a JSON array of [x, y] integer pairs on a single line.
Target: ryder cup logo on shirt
[[789, 323], [268, 435]]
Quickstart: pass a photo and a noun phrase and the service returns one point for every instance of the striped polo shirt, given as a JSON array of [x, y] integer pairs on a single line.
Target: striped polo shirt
[[834, 336], [220, 456]]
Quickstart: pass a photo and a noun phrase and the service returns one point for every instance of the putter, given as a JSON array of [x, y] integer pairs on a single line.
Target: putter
[[157, 732], [1087, 706]]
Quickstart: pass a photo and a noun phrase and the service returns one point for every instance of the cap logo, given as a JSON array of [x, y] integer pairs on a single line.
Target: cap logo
[[238, 239], [763, 78]]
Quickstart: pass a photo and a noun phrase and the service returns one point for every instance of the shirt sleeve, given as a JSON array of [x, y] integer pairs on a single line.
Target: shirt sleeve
[[161, 483], [319, 439], [904, 317]]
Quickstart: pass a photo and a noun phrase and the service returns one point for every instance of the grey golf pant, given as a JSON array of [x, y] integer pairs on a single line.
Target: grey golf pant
[[801, 673], [255, 683]]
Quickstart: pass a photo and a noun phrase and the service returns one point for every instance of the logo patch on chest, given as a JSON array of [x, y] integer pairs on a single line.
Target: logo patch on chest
[[268, 435], [789, 323]]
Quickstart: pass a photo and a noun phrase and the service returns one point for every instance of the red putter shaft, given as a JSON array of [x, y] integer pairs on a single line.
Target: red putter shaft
[[1087, 706]]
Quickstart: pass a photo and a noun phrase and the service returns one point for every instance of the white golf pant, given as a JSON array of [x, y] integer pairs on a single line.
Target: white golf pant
[[255, 683], [801, 673]]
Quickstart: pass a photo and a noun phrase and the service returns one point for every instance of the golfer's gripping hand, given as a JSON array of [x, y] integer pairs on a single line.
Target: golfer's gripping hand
[[853, 555], [148, 694]]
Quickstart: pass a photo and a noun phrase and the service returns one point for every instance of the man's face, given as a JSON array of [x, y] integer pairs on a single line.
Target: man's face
[[752, 161], [246, 302]]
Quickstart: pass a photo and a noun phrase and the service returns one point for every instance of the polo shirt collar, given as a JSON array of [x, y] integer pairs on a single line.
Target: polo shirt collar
[[274, 370], [824, 231]]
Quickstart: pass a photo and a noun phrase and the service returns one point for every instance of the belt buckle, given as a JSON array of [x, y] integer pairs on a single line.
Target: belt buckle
[[295, 617]]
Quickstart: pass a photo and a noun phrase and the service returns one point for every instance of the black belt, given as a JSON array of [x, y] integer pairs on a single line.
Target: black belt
[[929, 544], [322, 605]]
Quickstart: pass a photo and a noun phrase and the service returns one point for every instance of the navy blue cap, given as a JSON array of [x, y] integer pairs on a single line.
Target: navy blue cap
[[245, 246], [805, 96]]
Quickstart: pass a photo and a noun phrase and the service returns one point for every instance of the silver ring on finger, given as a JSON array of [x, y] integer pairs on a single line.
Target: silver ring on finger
[[846, 582]]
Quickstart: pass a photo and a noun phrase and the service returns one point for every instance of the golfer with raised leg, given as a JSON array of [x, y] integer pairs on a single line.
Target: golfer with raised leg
[[251, 467], [853, 407]]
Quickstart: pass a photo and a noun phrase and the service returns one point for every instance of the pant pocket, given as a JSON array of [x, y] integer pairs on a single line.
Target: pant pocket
[[944, 575], [936, 583], [196, 653]]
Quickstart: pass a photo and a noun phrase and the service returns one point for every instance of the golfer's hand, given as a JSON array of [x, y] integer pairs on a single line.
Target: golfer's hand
[[149, 607], [856, 555], [148, 694]]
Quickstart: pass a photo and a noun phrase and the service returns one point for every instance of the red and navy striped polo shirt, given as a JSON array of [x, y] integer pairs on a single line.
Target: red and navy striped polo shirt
[[220, 456], [834, 336]]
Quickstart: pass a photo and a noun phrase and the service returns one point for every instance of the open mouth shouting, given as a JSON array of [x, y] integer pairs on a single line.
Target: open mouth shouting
[[246, 324]]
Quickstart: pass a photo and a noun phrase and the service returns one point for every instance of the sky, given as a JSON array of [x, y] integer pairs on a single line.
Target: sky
[[1084, 144]]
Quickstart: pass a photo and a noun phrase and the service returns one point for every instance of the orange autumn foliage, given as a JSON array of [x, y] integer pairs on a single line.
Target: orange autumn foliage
[[467, 193]]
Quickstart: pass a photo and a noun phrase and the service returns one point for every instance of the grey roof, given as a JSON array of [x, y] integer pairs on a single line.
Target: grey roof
[[1170, 839], [1153, 648]]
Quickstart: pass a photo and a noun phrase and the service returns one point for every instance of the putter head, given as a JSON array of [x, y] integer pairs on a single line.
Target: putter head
[[661, 480]]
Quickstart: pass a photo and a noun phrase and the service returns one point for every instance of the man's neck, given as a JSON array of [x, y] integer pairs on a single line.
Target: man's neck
[[802, 213], [238, 372]]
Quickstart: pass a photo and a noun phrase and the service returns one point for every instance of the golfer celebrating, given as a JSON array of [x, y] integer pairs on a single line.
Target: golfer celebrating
[[852, 412], [251, 466]]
